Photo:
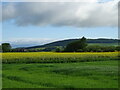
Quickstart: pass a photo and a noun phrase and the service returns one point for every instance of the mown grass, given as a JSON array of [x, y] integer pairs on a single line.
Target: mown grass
[[102, 74]]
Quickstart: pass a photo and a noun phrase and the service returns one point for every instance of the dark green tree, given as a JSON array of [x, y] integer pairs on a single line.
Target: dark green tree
[[82, 44], [0, 48], [94, 48], [57, 50], [6, 47], [108, 48], [118, 48], [78, 45]]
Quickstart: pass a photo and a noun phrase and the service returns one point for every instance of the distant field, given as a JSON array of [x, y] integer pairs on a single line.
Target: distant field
[[60, 70], [104, 44]]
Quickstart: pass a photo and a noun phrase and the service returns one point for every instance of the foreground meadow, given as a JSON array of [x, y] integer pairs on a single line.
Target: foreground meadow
[[60, 70]]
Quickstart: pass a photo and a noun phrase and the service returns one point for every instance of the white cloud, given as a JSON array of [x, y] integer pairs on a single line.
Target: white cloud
[[62, 14], [26, 42], [49, 0]]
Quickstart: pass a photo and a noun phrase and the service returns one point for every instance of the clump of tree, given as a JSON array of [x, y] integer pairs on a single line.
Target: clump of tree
[[0, 48], [76, 46], [118, 48], [18, 50], [6, 47], [59, 49], [82, 46]]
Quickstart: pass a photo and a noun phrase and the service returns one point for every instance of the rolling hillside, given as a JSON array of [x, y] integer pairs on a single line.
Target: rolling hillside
[[109, 42]]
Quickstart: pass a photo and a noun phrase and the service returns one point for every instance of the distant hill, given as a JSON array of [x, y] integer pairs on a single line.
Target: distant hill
[[100, 41]]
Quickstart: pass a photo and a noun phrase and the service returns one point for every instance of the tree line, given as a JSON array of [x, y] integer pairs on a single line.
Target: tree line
[[80, 45]]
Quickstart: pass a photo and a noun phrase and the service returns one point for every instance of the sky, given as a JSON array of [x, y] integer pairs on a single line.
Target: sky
[[37, 23]]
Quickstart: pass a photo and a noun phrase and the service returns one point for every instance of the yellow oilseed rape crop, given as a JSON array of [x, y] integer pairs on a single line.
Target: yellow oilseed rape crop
[[53, 57]]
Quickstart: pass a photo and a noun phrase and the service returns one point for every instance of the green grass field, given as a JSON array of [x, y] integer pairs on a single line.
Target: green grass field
[[102, 74], [92, 74], [104, 44]]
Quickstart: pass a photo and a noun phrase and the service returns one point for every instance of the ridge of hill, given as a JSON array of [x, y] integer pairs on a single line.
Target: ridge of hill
[[65, 42]]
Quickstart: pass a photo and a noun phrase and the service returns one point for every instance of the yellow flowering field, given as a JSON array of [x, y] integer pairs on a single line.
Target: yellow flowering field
[[53, 57]]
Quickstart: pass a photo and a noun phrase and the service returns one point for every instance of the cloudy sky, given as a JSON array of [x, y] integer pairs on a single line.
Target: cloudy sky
[[35, 23]]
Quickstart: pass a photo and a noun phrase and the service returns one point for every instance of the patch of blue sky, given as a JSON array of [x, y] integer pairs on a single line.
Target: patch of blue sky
[[10, 30]]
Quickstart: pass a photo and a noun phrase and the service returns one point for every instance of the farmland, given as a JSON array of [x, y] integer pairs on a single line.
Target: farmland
[[51, 57], [60, 70]]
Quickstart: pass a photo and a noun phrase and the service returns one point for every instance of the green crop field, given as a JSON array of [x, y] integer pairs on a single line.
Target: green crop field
[[104, 44], [60, 70]]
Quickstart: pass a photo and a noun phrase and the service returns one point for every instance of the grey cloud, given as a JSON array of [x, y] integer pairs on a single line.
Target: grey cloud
[[62, 14]]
